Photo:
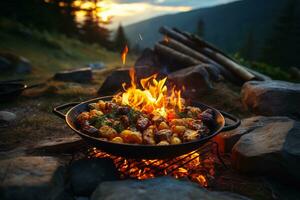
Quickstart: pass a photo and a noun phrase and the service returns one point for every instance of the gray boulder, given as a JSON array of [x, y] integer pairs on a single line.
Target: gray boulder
[[85, 175], [82, 75], [32, 177], [113, 82], [158, 188], [7, 118], [272, 98], [194, 78], [271, 146]]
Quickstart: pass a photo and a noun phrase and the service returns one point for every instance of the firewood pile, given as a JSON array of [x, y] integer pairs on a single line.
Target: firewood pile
[[180, 50]]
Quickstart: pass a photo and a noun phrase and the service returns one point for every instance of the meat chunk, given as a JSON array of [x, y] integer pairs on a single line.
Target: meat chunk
[[164, 134], [148, 135], [142, 123]]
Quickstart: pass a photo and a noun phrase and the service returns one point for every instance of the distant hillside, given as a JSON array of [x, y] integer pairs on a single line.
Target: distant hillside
[[226, 26]]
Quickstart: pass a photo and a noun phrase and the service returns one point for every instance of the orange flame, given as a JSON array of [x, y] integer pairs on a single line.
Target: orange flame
[[153, 96], [124, 54]]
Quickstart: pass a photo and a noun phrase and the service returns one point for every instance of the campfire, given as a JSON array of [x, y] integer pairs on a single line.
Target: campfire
[[198, 166]]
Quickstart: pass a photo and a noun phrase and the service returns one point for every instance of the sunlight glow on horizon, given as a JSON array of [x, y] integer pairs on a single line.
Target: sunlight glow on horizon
[[126, 13]]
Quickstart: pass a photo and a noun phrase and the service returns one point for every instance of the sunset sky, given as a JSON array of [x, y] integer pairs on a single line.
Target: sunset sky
[[131, 11]]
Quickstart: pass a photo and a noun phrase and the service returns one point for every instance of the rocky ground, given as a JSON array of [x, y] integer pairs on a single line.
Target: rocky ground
[[262, 154]]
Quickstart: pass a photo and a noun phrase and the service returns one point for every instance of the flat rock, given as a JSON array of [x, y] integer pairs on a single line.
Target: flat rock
[[228, 139], [28, 177], [58, 145], [113, 82], [273, 148], [272, 98], [82, 75], [194, 78], [7, 118], [85, 175], [157, 188]]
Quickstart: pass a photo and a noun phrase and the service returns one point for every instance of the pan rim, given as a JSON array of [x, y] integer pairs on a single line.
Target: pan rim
[[142, 145]]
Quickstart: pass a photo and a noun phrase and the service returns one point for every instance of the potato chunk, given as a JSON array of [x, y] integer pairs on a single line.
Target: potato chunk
[[83, 117], [117, 140], [175, 140], [131, 136], [179, 130], [161, 143], [94, 113], [163, 125], [107, 132]]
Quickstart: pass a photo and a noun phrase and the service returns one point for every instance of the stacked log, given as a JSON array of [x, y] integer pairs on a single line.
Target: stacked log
[[190, 50]]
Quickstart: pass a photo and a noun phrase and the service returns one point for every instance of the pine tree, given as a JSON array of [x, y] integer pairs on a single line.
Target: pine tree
[[120, 39], [200, 28], [283, 47], [93, 30], [247, 51]]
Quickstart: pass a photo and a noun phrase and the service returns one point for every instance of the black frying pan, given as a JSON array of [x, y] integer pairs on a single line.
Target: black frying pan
[[139, 150]]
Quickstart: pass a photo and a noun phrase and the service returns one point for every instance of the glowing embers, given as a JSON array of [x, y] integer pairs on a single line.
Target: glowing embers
[[198, 166]]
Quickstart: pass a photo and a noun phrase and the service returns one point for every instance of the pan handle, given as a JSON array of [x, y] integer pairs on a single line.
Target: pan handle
[[57, 110], [236, 120]]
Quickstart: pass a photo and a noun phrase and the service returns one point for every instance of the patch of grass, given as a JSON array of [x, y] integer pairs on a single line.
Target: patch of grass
[[51, 52], [274, 72]]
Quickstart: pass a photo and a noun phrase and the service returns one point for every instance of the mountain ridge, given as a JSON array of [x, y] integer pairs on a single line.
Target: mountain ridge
[[225, 26]]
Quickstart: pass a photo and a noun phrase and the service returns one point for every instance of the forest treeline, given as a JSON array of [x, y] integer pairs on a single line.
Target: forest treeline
[[59, 16]]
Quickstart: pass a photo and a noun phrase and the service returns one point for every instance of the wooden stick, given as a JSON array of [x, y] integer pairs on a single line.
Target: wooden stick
[[230, 65], [201, 42], [175, 55], [183, 39], [185, 50]]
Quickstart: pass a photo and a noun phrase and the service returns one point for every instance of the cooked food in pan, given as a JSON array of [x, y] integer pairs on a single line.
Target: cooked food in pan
[[146, 113], [110, 121]]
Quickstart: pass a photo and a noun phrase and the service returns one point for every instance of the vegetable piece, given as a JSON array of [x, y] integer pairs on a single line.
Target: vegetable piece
[[83, 117], [175, 140], [190, 135], [101, 105], [179, 130], [161, 143], [163, 125], [107, 132], [131, 136], [94, 113], [117, 140]]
